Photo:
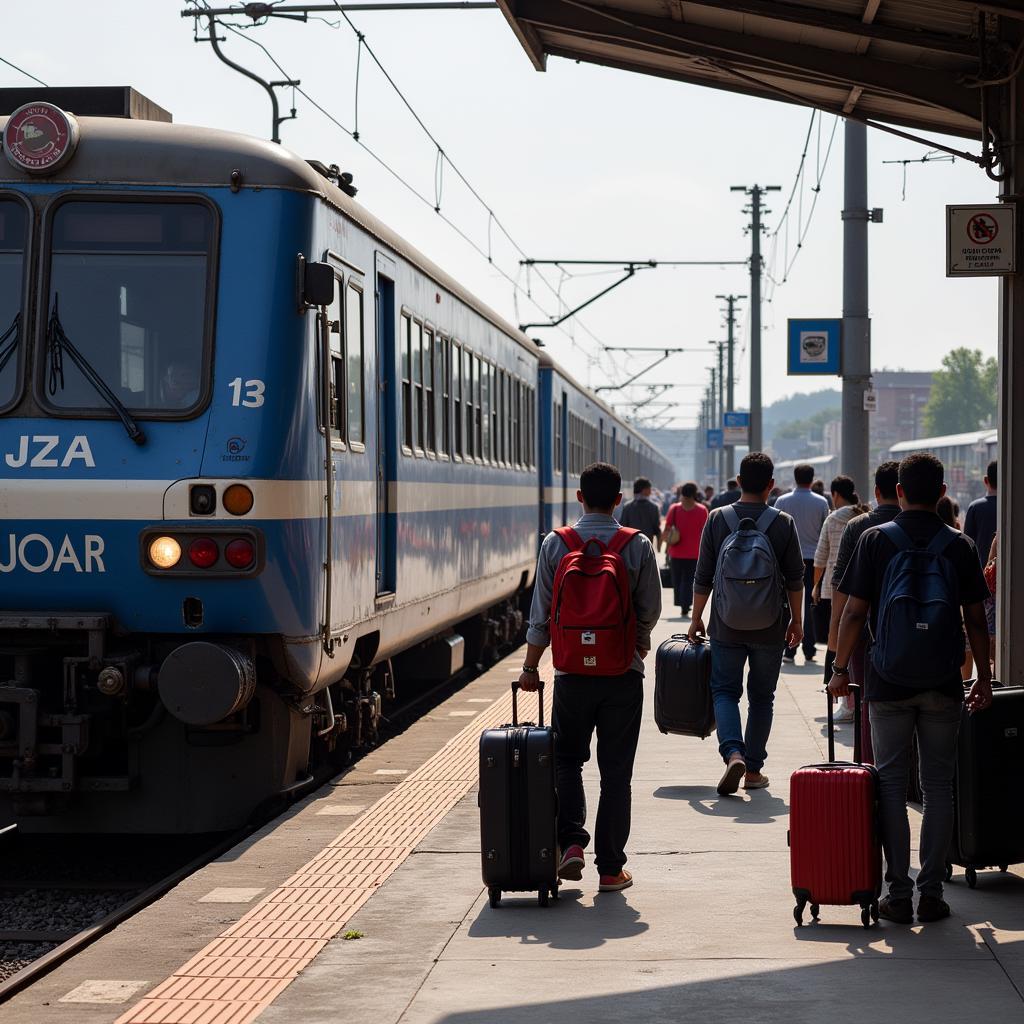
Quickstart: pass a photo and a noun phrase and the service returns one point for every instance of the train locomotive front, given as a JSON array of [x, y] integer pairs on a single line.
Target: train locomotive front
[[162, 484]]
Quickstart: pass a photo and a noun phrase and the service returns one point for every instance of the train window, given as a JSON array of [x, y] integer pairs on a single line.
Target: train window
[[437, 436], [445, 445], [416, 348], [478, 443], [129, 287], [336, 371], [405, 333], [456, 357], [13, 239], [486, 382], [429, 376], [354, 352], [469, 394]]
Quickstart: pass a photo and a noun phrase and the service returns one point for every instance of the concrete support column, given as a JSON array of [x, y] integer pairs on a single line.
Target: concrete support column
[[1010, 603], [856, 325]]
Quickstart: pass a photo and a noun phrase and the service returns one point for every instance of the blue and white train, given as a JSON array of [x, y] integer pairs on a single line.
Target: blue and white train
[[258, 458]]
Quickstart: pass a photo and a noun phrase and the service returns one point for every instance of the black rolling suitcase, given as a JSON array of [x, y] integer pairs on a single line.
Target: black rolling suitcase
[[988, 829], [682, 688], [518, 807]]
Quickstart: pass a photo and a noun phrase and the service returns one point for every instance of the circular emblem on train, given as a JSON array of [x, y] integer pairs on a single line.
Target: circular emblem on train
[[40, 138]]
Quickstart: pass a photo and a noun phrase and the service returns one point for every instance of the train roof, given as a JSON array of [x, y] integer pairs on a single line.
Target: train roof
[[148, 152], [141, 152], [945, 441]]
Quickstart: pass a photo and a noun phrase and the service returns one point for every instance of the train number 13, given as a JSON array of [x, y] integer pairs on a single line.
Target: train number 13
[[248, 393]]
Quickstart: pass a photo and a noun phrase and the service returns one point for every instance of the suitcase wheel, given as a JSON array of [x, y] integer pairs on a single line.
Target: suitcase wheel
[[494, 896], [972, 877], [554, 892], [949, 872], [874, 911], [798, 912], [815, 911], [1004, 868], [542, 897], [865, 916]]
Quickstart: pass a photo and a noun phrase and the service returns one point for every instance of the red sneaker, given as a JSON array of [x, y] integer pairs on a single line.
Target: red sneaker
[[570, 867], [614, 883]]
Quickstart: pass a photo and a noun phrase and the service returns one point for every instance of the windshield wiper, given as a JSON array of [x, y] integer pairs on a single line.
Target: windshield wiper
[[57, 343], [10, 339]]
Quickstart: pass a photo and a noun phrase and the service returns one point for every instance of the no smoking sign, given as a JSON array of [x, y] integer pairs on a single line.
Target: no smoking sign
[[980, 241]]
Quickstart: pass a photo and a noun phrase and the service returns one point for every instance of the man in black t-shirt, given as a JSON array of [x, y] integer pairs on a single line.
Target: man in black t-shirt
[[932, 710], [641, 513]]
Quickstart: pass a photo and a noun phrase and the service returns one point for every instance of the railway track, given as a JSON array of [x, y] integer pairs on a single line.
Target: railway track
[[58, 894]]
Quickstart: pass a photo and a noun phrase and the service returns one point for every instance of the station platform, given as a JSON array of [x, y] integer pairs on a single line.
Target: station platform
[[365, 903]]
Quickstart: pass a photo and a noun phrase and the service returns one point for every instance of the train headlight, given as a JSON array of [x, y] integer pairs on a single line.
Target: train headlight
[[237, 499], [164, 552]]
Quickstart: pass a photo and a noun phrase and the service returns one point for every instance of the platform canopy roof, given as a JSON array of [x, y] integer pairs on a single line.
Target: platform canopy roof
[[914, 63]]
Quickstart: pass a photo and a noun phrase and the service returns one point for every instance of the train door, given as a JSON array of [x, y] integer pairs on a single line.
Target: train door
[[563, 451], [388, 411]]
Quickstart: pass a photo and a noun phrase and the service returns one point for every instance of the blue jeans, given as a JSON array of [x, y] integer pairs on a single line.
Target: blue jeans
[[936, 720], [727, 662]]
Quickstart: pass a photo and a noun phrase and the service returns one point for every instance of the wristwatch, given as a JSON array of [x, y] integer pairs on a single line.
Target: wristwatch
[[531, 670], [837, 671]]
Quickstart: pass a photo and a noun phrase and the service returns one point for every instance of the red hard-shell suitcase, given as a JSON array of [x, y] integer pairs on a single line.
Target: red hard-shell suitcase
[[834, 852]]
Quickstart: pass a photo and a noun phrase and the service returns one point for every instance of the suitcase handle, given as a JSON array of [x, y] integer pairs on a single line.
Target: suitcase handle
[[540, 703], [855, 690]]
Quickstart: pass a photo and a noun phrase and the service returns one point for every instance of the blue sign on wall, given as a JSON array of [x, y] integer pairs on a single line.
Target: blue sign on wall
[[714, 438], [815, 347]]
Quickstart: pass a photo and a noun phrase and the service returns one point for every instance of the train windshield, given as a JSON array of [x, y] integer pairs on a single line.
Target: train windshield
[[128, 289], [13, 237]]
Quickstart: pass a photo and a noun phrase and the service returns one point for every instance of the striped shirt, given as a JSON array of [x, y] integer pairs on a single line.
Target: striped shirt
[[827, 551]]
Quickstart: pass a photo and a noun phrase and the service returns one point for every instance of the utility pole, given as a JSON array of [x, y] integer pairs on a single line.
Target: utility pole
[[720, 422], [756, 193], [730, 321], [856, 323]]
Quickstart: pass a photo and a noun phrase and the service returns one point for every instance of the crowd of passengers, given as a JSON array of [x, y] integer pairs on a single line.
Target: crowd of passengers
[[832, 557]]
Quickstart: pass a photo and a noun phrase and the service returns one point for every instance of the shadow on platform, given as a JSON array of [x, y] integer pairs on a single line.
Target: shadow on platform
[[566, 924], [760, 809]]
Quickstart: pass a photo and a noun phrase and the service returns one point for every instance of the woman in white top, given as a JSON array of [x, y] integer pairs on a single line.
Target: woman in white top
[[846, 504]]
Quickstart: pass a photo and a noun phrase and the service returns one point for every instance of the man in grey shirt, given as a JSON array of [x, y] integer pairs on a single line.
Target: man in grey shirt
[[641, 513], [613, 705], [809, 511], [745, 751]]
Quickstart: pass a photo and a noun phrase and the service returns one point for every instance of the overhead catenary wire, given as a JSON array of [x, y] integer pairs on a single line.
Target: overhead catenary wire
[[22, 71], [441, 158], [779, 236]]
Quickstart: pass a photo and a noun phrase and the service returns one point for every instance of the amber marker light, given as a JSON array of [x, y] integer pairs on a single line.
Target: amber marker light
[[237, 499], [164, 552]]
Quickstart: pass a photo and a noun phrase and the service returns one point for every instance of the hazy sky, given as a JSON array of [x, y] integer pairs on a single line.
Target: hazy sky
[[578, 162]]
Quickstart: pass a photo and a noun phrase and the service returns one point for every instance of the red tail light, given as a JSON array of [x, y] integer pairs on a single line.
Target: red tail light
[[240, 553], [203, 552]]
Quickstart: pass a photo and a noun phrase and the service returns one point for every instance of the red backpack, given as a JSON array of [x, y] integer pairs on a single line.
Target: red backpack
[[593, 627]]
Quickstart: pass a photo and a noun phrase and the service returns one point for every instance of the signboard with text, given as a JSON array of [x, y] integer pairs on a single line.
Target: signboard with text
[[736, 428], [981, 241], [714, 438], [814, 347]]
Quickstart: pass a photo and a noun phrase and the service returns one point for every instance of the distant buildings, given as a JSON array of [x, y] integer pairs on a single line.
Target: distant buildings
[[902, 396]]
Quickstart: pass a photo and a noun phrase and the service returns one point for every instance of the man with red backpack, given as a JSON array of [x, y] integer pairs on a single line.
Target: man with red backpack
[[596, 598]]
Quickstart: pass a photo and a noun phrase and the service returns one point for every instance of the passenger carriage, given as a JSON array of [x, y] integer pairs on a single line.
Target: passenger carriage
[[260, 457]]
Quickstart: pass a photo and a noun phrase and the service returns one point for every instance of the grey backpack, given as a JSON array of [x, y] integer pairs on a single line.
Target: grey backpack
[[749, 592]]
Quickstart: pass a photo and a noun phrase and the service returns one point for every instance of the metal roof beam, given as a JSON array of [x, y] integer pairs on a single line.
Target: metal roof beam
[[837, 22], [756, 54]]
